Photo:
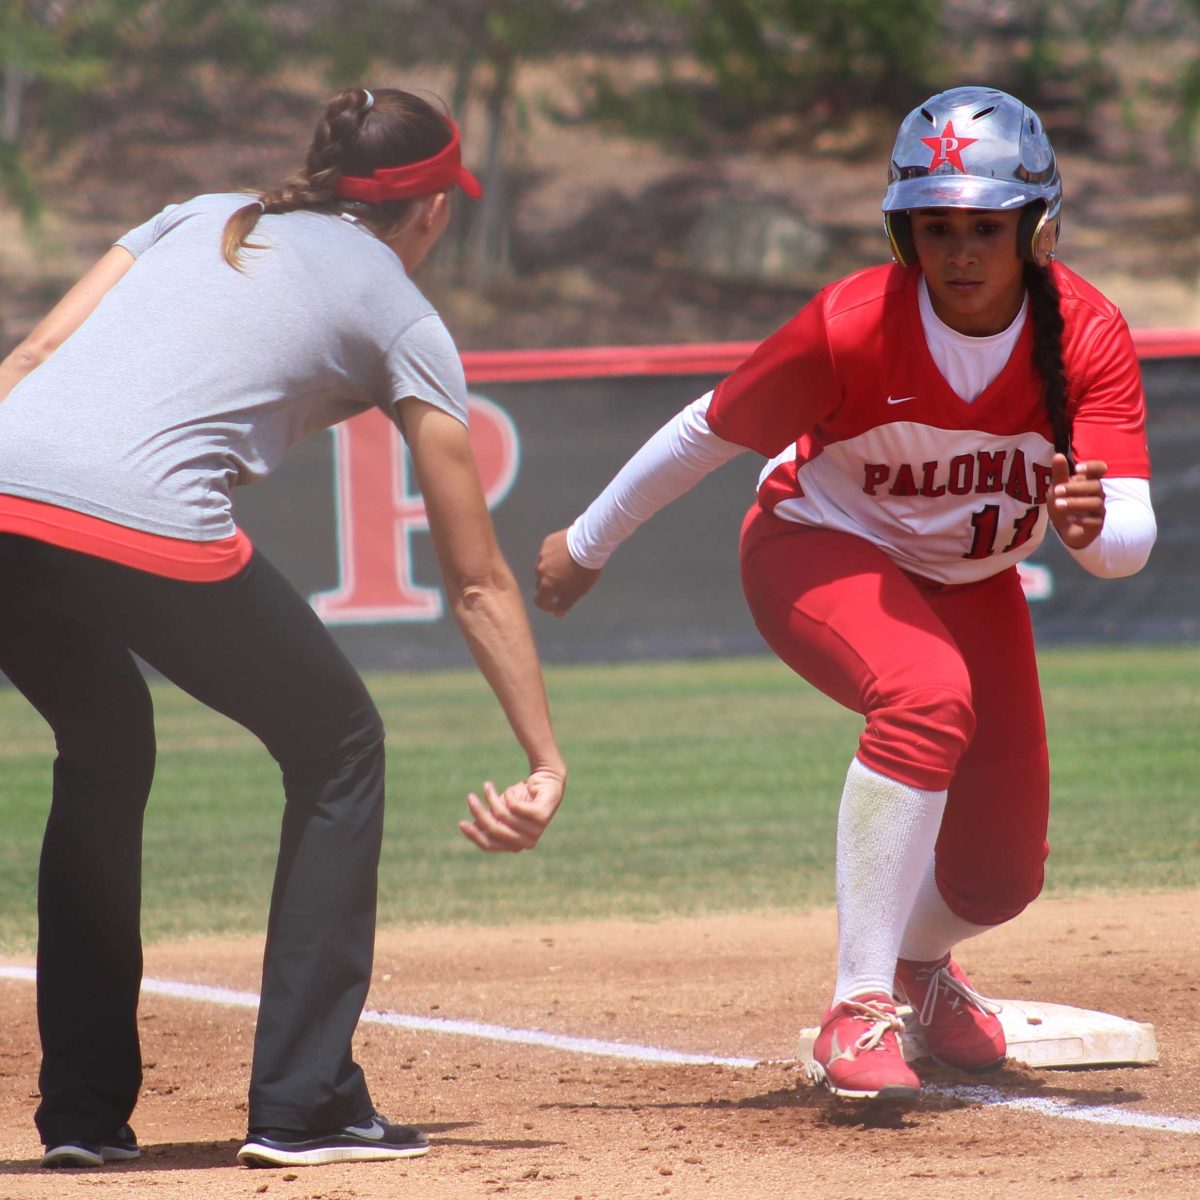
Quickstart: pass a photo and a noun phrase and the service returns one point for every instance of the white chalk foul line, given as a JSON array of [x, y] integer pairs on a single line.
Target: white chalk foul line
[[630, 1052], [1099, 1114], [1096, 1114], [474, 1029]]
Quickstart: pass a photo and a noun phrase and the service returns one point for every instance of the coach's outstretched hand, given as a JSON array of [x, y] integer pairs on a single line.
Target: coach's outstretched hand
[[1077, 501], [517, 817], [560, 580]]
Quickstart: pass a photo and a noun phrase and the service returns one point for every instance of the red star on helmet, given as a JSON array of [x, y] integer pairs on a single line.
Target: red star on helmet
[[948, 147]]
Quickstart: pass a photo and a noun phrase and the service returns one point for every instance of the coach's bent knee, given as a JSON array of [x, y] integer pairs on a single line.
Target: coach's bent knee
[[109, 755], [320, 748]]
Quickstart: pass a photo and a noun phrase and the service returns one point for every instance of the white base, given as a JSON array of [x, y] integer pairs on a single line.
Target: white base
[[1044, 1035]]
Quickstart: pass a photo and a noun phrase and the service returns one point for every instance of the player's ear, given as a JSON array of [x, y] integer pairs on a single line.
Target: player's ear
[[433, 208]]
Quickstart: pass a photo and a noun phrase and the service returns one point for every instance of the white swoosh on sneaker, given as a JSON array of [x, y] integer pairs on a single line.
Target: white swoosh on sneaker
[[900, 399], [836, 1052], [375, 1132]]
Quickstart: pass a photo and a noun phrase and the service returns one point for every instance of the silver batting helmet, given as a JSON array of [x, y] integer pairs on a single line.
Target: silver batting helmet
[[974, 147]]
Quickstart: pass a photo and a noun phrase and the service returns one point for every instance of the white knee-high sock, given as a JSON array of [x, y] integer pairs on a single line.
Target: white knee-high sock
[[885, 839], [933, 930]]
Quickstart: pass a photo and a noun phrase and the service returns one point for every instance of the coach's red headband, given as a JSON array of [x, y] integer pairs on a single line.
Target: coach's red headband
[[437, 174]]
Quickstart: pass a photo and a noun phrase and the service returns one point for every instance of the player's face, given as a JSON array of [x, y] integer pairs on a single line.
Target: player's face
[[969, 258]]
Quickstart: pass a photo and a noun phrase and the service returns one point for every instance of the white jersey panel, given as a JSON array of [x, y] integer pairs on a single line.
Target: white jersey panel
[[938, 509]]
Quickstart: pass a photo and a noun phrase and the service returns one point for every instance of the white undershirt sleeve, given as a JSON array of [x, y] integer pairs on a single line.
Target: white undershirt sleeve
[[673, 461], [1129, 531]]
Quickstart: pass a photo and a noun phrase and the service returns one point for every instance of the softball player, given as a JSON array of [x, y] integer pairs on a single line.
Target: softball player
[[923, 423], [185, 363]]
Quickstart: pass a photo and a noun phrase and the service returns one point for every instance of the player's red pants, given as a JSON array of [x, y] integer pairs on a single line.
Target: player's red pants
[[947, 680]]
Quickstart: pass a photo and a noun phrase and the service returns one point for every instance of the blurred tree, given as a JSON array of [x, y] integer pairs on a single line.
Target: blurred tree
[[1187, 119], [826, 58], [843, 55], [823, 60], [32, 35], [1067, 57], [1062, 46], [485, 43], [58, 57]]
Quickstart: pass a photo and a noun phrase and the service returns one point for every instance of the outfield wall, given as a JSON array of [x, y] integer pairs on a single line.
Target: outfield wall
[[344, 522]]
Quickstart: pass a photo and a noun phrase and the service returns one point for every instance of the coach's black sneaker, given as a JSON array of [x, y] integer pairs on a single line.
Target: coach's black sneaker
[[374, 1139], [121, 1147]]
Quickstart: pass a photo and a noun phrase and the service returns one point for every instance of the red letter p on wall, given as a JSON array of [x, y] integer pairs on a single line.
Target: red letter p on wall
[[379, 509]]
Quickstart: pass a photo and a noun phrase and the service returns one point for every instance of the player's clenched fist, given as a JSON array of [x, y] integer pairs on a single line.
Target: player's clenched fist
[[560, 580], [1077, 501], [517, 817]]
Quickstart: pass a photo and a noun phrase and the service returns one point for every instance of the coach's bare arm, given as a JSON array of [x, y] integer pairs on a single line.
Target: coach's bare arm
[[491, 614], [64, 318]]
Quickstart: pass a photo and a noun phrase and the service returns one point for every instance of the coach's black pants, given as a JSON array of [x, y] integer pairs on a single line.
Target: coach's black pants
[[252, 649]]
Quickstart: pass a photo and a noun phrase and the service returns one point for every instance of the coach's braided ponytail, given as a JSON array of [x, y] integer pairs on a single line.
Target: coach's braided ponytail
[[1047, 353], [332, 139], [358, 134]]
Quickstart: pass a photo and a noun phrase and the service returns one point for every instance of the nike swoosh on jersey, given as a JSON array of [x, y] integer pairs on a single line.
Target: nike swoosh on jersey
[[900, 399]]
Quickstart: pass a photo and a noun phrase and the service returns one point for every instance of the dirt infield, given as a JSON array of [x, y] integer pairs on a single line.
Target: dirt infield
[[533, 1122]]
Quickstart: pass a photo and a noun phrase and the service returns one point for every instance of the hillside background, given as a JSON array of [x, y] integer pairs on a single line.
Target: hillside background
[[656, 170]]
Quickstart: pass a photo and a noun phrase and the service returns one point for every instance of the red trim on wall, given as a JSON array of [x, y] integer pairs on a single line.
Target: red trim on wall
[[717, 358], [504, 366], [1167, 343]]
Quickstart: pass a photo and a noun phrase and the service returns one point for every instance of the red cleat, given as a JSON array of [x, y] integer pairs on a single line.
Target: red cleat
[[959, 1025], [857, 1054]]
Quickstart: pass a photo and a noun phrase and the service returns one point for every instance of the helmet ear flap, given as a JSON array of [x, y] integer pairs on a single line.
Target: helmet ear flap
[[898, 226], [1037, 235]]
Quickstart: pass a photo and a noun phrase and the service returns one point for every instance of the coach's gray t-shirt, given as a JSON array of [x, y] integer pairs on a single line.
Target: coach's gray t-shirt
[[191, 378]]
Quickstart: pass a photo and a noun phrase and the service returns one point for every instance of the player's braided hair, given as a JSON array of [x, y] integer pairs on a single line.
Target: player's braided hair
[[359, 133], [1047, 352]]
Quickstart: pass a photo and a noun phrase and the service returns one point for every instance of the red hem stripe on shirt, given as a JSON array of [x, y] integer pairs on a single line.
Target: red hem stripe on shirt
[[174, 558]]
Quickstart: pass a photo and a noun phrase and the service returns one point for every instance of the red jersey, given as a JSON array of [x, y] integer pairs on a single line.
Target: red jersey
[[866, 436]]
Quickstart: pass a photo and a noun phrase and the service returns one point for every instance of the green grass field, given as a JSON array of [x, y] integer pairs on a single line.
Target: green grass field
[[696, 787]]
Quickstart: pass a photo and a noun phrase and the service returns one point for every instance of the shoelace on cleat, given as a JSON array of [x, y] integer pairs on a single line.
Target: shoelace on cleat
[[881, 1021], [941, 978]]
